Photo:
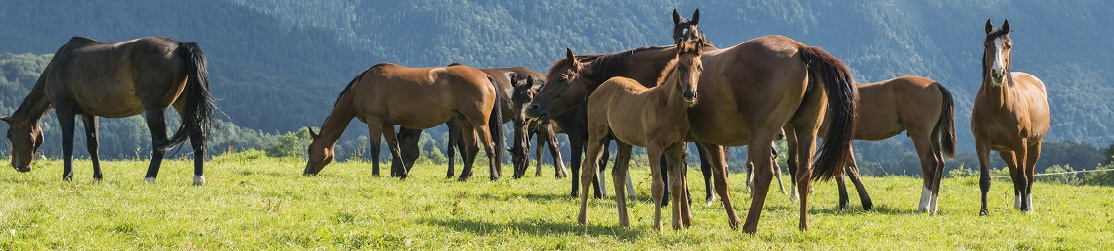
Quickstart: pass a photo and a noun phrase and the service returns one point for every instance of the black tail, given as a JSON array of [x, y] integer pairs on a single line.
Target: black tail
[[495, 124], [198, 114], [946, 126], [843, 99]]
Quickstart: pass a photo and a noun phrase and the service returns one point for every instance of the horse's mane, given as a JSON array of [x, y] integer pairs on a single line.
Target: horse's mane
[[604, 66], [670, 68], [354, 80]]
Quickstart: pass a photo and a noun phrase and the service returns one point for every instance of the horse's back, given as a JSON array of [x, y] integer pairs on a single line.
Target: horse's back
[[421, 97], [1036, 96]]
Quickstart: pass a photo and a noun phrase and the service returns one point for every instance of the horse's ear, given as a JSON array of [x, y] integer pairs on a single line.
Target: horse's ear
[[1006, 26], [989, 26], [571, 59], [311, 133], [6, 120], [676, 17], [695, 17], [529, 80]]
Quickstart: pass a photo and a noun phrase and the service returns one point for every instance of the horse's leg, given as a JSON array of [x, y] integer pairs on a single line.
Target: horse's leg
[[576, 145], [715, 155], [489, 149], [599, 181], [455, 139], [843, 198], [619, 175], [554, 152], [374, 135], [982, 150], [657, 186], [156, 122], [864, 197], [197, 143], [392, 144], [792, 162], [673, 158], [706, 170], [664, 171], [537, 151], [922, 143], [408, 145], [938, 169], [777, 168], [1031, 157], [750, 177], [597, 140], [468, 153], [1010, 157], [93, 143], [66, 120], [758, 152]]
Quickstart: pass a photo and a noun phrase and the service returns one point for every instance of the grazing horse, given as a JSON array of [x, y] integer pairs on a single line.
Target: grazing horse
[[748, 93], [506, 78], [921, 107], [655, 118], [116, 80], [386, 95], [1010, 116], [524, 90]]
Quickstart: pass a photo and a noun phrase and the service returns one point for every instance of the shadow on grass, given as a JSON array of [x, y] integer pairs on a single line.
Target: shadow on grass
[[878, 209], [538, 228]]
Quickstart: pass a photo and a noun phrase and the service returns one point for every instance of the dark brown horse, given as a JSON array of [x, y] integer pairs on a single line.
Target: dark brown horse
[[524, 90], [1010, 116], [655, 118], [919, 106], [748, 93], [116, 80], [386, 95]]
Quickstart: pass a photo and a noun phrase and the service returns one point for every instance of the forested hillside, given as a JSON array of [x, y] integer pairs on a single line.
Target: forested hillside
[[276, 66]]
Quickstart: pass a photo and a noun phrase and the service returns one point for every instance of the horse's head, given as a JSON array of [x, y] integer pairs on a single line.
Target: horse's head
[[996, 58], [685, 30], [565, 88], [524, 91], [688, 68], [320, 153], [26, 137]]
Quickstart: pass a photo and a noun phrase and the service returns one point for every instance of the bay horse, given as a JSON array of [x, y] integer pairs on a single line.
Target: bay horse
[[655, 118], [1010, 116], [387, 94], [919, 106], [116, 80], [506, 78], [748, 93]]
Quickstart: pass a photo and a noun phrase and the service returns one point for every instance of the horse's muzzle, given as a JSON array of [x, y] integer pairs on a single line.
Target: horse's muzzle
[[23, 169], [690, 97]]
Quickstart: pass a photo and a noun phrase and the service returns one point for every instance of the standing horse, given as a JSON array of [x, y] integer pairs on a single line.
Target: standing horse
[[116, 80], [386, 95], [748, 93], [524, 90], [506, 78], [921, 107], [1010, 116], [656, 118]]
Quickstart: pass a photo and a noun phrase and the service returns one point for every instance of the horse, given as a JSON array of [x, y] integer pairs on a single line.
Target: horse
[[524, 90], [1010, 116], [919, 106], [748, 93], [115, 80], [655, 118], [505, 78], [387, 94]]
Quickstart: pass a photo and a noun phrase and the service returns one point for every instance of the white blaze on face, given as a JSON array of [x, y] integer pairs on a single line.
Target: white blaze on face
[[999, 61], [926, 199]]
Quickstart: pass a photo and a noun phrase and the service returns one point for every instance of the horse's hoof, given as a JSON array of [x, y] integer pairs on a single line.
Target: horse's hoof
[[67, 178], [868, 206], [149, 180], [198, 180], [462, 179], [984, 212]]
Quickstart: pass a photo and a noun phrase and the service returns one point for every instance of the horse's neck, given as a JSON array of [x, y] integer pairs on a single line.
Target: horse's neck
[[1002, 96], [667, 90], [644, 66], [336, 123], [36, 104]]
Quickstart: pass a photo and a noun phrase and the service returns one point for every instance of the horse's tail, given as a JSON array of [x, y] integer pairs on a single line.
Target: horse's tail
[[495, 124], [197, 117], [843, 99], [946, 126]]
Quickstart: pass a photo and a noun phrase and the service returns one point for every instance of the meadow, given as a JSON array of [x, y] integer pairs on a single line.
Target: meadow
[[256, 202]]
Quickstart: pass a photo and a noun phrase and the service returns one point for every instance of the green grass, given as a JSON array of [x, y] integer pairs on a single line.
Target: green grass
[[254, 202]]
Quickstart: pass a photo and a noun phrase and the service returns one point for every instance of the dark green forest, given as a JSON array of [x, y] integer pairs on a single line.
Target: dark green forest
[[276, 66]]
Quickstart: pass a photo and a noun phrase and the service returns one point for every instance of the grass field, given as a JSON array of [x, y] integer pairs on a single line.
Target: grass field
[[254, 202]]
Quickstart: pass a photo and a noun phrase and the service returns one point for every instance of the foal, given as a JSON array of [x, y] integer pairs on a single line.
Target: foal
[[656, 118]]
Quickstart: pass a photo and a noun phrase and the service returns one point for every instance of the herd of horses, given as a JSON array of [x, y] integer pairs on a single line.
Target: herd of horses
[[658, 97]]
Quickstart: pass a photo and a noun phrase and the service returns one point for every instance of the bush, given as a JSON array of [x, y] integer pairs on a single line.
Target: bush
[[1067, 179], [292, 144], [1103, 178]]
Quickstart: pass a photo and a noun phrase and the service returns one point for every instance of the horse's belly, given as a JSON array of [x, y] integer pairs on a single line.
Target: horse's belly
[[118, 106]]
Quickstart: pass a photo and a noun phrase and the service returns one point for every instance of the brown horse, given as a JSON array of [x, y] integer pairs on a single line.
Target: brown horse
[[1010, 116], [748, 93], [919, 106], [386, 95], [524, 91], [116, 80], [655, 118]]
